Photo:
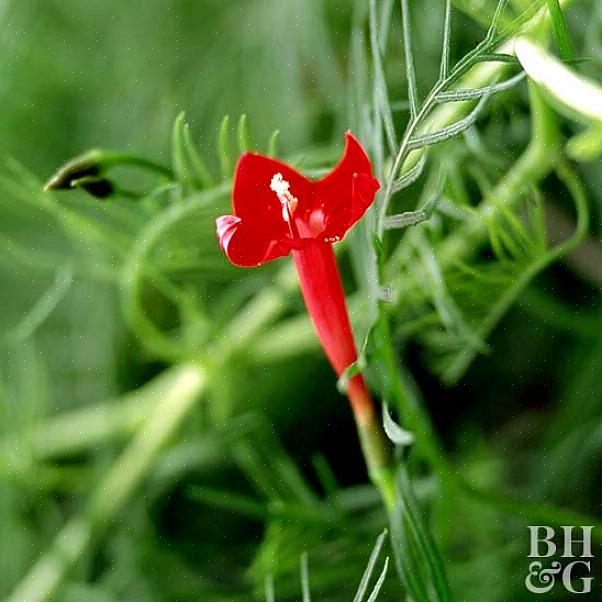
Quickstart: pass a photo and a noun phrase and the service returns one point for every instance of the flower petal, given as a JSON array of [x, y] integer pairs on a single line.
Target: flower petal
[[245, 248], [254, 201], [347, 191]]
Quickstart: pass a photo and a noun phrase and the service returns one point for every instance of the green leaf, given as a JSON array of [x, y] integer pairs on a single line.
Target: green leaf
[[445, 52], [180, 166], [398, 435], [386, 19], [269, 589], [497, 57], [409, 58], [381, 96], [570, 92], [421, 140], [365, 580], [495, 21], [305, 578], [408, 178], [197, 164], [379, 583], [223, 148], [485, 290], [272, 150], [411, 218], [586, 146], [462, 95], [418, 560], [43, 307], [244, 140], [188, 165], [562, 36]]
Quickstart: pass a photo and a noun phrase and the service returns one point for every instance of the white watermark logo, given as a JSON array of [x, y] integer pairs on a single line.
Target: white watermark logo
[[572, 564]]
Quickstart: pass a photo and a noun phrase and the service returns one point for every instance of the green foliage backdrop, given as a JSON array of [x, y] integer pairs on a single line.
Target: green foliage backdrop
[[169, 429]]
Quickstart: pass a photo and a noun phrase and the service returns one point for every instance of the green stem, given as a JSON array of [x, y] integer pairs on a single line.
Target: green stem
[[377, 451], [415, 418]]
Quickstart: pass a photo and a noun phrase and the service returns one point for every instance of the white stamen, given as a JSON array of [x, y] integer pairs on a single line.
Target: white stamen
[[282, 189], [279, 185]]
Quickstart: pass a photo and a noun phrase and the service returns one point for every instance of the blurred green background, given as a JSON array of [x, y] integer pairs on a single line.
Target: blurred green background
[[269, 468]]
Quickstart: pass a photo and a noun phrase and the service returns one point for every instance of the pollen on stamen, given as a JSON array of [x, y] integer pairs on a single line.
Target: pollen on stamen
[[279, 185], [282, 189]]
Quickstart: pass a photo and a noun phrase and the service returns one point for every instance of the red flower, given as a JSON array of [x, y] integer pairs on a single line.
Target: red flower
[[278, 211]]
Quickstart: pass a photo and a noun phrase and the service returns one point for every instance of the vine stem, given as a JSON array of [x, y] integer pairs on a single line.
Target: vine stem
[[415, 418], [324, 298], [403, 152]]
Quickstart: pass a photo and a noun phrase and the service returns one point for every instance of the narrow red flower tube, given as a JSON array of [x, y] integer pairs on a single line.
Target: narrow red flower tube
[[321, 287], [278, 211]]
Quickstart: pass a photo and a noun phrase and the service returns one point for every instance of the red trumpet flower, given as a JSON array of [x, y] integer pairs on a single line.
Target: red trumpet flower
[[278, 211]]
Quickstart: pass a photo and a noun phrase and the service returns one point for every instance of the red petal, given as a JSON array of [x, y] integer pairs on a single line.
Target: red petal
[[257, 232], [254, 201], [239, 243], [245, 248], [347, 191]]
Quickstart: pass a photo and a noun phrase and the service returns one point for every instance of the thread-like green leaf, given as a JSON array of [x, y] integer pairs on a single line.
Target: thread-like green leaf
[[383, 106], [43, 307], [379, 583], [269, 589], [272, 149], [197, 163], [244, 140], [571, 92], [411, 218], [410, 176], [497, 15], [188, 165], [409, 58], [398, 435], [365, 580], [409, 532], [462, 95], [562, 37], [386, 18], [178, 155], [421, 140], [305, 578], [445, 52], [497, 57], [223, 147]]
